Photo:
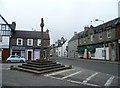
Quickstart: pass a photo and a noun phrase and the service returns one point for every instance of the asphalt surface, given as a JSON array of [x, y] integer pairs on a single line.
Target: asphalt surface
[[84, 73], [99, 66]]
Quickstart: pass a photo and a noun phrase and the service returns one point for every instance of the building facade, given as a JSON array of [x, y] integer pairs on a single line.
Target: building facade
[[100, 42], [72, 46], [59, 49], [6, 30], [28, 43], [119, 9]]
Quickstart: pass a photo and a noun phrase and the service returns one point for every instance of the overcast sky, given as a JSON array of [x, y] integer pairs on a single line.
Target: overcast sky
[[61, 17]]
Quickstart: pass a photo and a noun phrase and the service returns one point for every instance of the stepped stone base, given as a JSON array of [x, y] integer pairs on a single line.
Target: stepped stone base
[[41, 67]]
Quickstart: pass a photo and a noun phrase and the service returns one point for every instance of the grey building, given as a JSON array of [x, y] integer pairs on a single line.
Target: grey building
[[72, 46], [100, 42]]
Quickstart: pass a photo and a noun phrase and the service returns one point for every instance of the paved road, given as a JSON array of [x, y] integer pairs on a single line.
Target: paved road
[[84, 73], [108, 68]]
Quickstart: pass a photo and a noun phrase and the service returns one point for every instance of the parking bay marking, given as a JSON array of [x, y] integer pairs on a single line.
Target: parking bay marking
[[109, 81], [89, 78], [70, 75], [55, 73], [77, 82]]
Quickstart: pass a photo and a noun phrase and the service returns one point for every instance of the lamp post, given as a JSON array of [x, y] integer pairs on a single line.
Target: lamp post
[[41, 50], [104, 41]]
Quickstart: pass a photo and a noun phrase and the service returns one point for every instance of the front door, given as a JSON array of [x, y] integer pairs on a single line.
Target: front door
[[29, 55]]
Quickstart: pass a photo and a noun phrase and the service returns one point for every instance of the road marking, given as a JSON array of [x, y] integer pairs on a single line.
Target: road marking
[[71, 75], [53, 77], [5, 68], [89, 78], [55, 73], [109, 81], [77, 82]]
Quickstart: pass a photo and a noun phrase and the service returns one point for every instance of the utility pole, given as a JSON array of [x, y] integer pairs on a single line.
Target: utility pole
[[41, 49]]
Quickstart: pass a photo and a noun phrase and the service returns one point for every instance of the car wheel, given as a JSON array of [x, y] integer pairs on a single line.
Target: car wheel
[[21, 61], [9, 61]]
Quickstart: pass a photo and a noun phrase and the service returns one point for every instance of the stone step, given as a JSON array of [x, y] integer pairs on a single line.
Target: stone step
[[38, 63], [40, 69], [40, 66], [42, 61], [44, 71]]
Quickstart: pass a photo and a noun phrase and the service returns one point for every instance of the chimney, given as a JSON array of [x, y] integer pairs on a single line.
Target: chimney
[[86, 28], [75, 33], [13, 25]]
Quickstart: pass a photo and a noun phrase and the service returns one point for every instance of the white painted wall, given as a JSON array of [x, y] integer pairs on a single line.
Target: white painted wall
[[36, 55], [5, 41], [99, 53], [61, 52]]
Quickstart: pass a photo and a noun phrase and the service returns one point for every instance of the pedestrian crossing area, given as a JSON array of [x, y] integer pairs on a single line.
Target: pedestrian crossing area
[[85, 77]]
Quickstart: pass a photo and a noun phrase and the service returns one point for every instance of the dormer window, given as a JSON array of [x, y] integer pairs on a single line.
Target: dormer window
[[29, 42], [39, 42], [19, 41]]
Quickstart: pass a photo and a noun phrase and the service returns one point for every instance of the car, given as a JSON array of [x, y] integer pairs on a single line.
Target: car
[[15, 58]]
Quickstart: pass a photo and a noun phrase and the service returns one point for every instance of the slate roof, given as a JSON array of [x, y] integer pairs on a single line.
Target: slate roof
[[30, 34], [111, 23], [9, 25]]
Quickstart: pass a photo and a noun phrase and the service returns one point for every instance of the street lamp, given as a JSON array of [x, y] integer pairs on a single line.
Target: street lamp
[[41, 53], [104, 41]]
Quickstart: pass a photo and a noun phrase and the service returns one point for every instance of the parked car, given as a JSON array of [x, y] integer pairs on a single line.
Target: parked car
[[15, 58]]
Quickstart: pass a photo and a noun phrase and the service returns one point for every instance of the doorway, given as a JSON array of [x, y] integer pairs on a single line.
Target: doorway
[[29, 55]]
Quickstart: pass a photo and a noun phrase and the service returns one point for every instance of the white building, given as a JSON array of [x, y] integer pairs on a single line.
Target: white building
[[5, 33], [62, 52]]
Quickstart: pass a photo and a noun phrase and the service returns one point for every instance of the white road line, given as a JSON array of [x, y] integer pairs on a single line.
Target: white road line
[[109, 81], [71, 75], [55, 73], [87, 79], [53, 77], [4, 68], [77, 82]]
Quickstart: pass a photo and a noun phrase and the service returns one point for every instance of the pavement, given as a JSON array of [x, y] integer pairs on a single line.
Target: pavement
[[94, 60]]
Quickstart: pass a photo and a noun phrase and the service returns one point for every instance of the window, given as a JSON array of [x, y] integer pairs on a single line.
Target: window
[[29, 42], [100, 35], [80, 41], [3, 27], [0, 38], [109, 33], [84, 40], [39, 42], [19, 41], [91, 37]]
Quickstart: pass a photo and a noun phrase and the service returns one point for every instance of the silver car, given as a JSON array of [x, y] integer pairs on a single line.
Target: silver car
[[15, 58]]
